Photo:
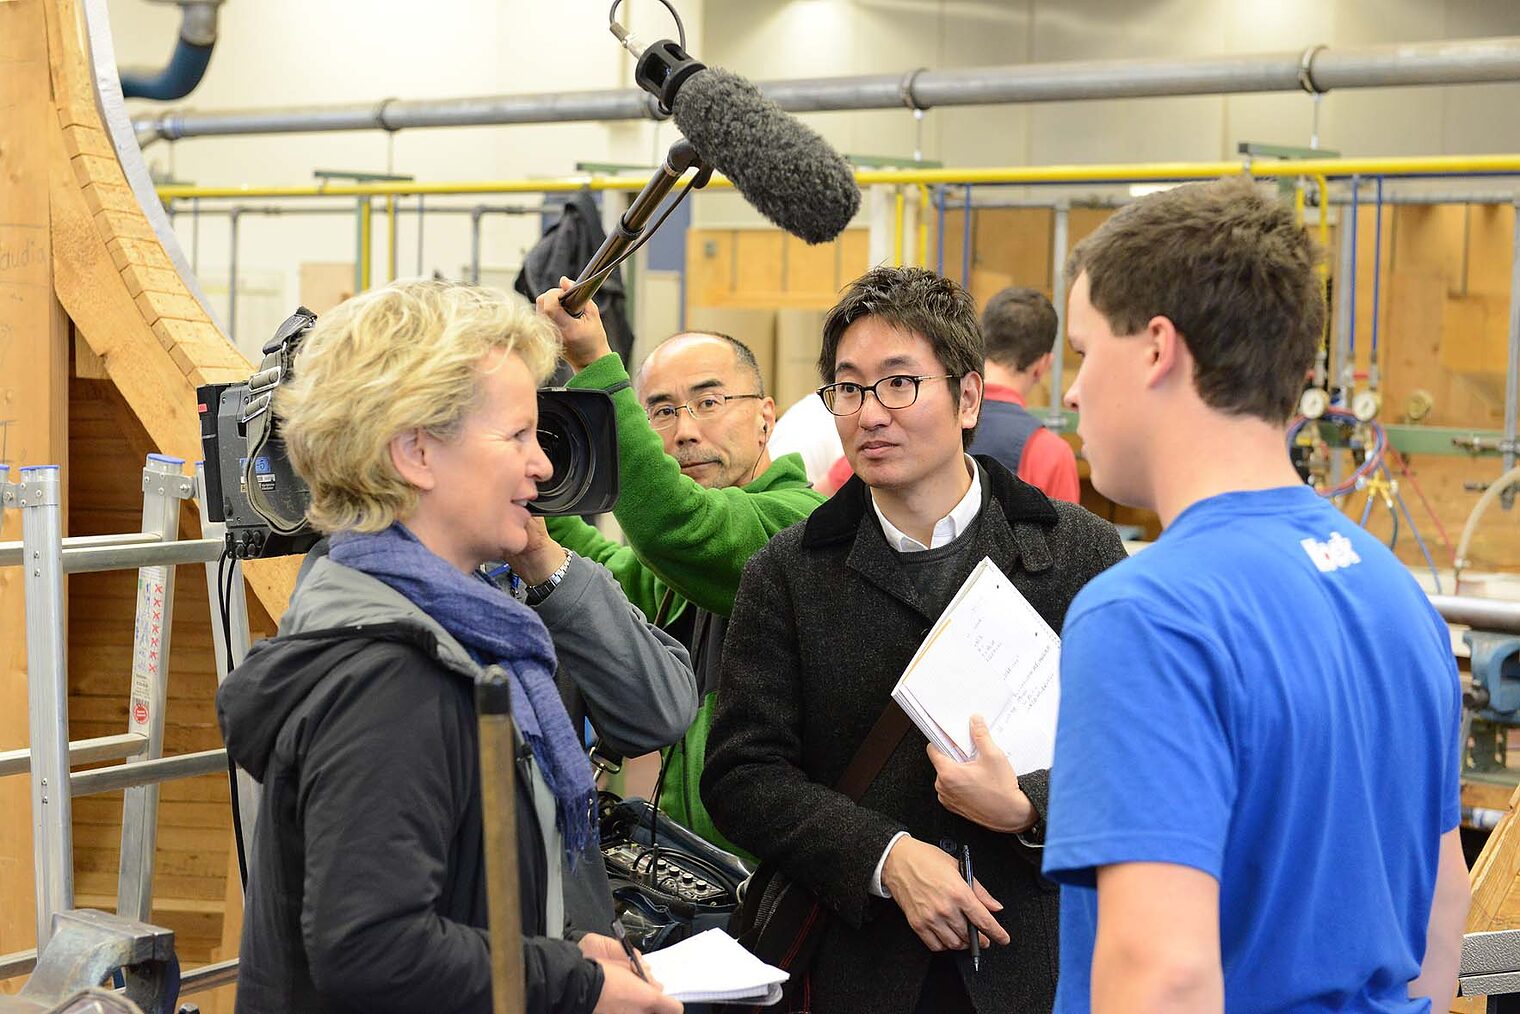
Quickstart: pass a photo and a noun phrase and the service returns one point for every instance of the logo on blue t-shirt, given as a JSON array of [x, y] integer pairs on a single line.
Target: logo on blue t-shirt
[[1331, 555]]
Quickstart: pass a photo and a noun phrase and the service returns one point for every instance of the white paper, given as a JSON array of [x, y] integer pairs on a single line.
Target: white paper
[[990, 654], [713, 966]]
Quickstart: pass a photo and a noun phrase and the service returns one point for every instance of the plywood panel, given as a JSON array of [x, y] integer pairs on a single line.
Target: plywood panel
[[1432, 238], [765, 269], [811, 272], [854, 253], [1475, 338], [1490, 247], [194, 838], [799, 337], [325, 284], [709, 267], [758, 268], [1013, 247], [755, 328]]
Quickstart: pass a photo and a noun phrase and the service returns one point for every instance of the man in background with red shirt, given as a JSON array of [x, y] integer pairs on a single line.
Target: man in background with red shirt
[[1019, 328]]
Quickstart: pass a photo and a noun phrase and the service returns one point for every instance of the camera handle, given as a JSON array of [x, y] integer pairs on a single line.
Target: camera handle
[[630, 232]]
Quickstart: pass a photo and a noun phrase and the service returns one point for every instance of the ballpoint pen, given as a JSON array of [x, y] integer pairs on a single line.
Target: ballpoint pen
[[633, 955], [976, 946]]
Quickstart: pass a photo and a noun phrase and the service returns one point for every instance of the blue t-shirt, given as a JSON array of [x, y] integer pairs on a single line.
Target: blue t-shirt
[[1265, 695]]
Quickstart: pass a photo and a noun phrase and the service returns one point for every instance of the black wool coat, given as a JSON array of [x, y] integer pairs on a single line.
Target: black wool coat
[[825, 621]]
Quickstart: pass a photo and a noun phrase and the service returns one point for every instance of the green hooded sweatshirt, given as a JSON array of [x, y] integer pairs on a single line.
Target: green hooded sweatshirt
[[686, 544]]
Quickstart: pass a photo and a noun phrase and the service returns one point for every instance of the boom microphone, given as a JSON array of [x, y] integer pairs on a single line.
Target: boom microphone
[[786, 171], [778, 164]]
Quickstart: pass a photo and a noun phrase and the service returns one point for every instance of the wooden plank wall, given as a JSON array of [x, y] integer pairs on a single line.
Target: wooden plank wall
[[769, 269], [107, 445], [105, 474]]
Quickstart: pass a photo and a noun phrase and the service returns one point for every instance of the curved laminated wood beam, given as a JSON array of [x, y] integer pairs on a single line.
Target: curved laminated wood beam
[[119, 272]]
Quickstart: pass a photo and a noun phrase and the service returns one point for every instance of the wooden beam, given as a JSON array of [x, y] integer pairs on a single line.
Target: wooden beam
[[1494, 876], [33, 398], [130, 307]]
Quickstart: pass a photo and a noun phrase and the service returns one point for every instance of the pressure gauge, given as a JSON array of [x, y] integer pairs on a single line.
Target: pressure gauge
[[1365, 405], [1313, 403]]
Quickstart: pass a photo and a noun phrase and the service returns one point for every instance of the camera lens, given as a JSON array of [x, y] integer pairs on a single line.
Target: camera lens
[[566, 442], [560, 451], [578, 433]]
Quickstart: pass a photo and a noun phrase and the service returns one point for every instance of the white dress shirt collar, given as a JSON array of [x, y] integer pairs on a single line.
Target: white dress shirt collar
[[948, 528]]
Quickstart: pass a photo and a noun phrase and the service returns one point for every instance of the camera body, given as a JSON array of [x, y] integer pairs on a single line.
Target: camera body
[[252, 488]]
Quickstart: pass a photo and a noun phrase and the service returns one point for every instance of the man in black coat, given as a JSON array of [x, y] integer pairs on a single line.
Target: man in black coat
[[830, 613]]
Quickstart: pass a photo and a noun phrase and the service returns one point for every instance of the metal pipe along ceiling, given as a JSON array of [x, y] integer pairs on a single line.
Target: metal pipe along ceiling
[[1316, 69]]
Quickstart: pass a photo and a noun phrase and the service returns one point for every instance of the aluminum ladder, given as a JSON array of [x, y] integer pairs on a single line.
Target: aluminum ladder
[[155, 552]]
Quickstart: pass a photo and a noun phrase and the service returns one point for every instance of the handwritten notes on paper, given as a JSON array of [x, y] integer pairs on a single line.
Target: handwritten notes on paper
[[989, 654]]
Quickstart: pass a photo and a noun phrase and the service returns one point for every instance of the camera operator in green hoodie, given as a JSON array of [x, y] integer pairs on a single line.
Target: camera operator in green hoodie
[[700, 494]]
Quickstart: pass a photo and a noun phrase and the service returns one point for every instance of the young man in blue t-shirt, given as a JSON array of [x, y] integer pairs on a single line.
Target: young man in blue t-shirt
[[1254, 798]]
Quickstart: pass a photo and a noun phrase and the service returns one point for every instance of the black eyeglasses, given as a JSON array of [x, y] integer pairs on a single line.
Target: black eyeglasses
[[897, 391], [663, 417]]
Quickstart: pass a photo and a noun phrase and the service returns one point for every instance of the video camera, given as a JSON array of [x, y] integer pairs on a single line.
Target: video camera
[[251, 486]]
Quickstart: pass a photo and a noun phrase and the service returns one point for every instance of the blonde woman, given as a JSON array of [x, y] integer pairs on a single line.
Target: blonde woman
[[413, 418]]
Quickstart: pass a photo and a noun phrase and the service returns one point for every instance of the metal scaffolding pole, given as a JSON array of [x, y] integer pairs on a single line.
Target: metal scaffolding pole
[[1055, 416]]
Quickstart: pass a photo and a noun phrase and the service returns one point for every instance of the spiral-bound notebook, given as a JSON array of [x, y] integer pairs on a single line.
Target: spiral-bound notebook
[[712, 967]]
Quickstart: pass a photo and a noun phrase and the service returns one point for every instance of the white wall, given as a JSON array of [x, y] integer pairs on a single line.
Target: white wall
[[293, 52], [796, 38], [297, 52]]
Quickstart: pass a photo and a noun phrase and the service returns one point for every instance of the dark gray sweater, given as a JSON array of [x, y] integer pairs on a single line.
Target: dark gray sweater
[[938, 573]]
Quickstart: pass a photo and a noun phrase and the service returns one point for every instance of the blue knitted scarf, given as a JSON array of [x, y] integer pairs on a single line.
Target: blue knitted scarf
[[494, 628]]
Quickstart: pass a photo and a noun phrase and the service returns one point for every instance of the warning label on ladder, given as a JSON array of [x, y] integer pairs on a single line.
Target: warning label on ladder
[[147, 644]]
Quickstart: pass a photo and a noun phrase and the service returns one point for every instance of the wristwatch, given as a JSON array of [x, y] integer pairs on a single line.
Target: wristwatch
[[538, 592]]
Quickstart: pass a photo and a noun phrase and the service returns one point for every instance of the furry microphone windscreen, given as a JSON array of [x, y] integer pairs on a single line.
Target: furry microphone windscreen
[[783, 168]]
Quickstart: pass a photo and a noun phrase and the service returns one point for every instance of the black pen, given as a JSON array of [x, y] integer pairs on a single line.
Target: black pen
[[976, 945], [633, 955]]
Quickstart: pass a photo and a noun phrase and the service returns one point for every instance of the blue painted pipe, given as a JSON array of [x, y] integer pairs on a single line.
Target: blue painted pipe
[[186, 68]]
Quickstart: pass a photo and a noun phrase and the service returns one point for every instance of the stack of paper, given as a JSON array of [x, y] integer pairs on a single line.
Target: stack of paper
[[712, 967], [990, 654]]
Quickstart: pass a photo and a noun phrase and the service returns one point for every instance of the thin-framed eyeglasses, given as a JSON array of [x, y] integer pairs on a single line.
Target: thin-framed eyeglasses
[[663, 417], [897, 391]]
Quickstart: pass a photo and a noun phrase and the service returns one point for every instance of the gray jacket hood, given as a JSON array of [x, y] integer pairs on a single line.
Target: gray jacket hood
[[335, 612]]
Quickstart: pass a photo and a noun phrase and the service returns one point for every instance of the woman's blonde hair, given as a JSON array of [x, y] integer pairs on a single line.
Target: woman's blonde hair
[[405, 357]]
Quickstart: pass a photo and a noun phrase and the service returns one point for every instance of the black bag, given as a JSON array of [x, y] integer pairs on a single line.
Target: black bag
[[667, 883], [779, 920]]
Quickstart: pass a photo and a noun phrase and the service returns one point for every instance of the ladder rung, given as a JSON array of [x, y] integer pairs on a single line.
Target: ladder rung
[[19, 963], [97, 558], [10, 552], [198, 980], [81, 751], [147, 772]]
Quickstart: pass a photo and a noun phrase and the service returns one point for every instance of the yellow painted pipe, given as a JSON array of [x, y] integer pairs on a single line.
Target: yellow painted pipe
[[899, 226], [366, 256], [1270, 168], [1472, 165], [390, 245], [923, 226]]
